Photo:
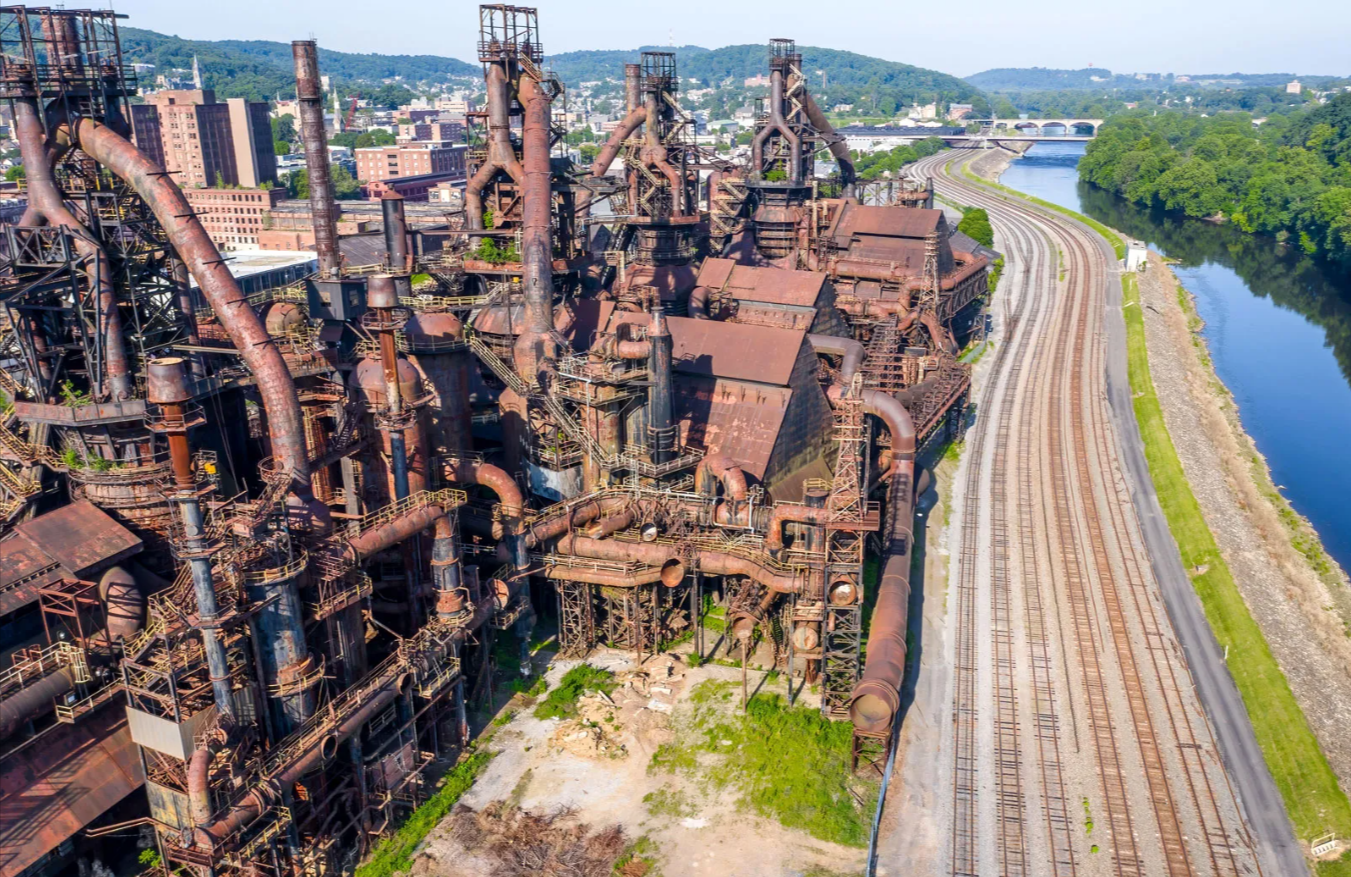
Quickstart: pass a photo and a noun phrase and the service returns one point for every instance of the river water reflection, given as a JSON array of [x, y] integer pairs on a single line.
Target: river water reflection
[[1278, 325]]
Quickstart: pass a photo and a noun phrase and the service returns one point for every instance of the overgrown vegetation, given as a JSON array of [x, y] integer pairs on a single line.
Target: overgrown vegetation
[[395, 852], [1290, 177], [562, 701], [494, 254], [975, 224], [789, 763], [996, 272]]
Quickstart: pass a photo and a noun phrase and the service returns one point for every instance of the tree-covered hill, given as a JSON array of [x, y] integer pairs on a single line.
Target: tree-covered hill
[[1041, 79], [260, 69], [836, 76]]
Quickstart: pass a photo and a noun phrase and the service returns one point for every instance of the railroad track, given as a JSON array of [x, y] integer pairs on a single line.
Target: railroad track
[[1063, 513]]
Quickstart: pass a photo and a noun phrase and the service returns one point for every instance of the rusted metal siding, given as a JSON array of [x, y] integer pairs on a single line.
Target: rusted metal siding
[[51, 791]]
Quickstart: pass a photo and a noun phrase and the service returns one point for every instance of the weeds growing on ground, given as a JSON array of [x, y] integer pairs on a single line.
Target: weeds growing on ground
[[395, 853], [562, 701], [789, 763]]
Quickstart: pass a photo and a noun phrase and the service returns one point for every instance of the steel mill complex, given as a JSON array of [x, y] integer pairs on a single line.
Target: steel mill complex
[[257, 548]]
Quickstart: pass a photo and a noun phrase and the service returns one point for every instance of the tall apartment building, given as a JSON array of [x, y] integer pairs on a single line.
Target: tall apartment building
[[204, 143], [386, 162]]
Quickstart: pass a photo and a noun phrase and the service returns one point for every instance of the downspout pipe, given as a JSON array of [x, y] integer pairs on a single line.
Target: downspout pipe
[[834, 142], [850, 351], [260, 353], [48, 204], [876, 697], [310, 97]]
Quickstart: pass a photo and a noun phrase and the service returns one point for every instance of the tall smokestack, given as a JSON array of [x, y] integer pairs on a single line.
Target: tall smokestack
[[633, 87], [396, 231], [661, 417], [310, 95]]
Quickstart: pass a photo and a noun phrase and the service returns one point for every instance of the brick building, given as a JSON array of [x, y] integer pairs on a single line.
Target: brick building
[[202, 142], [388, 162], [235, 218]]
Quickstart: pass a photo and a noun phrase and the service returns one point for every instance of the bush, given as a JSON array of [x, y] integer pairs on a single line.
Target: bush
[[562, 701], [975, 224]]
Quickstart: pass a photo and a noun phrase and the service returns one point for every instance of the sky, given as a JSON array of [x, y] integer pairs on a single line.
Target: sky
[[1165, 36]]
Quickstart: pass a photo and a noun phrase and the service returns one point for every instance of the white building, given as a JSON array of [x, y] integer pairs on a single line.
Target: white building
[[1293, 87]]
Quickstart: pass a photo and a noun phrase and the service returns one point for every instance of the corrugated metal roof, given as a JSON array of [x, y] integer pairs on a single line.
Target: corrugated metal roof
[[739, 419], [761, 354], [53, 789], [864, 219], [22, 565], [775, 285], [81, 536]]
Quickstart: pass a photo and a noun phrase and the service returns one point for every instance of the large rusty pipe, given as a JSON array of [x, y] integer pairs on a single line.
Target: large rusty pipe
[[509, 497], [310, 98], [834, 142], [34, 700], [48, 203], [397, 530], [851, 354], [876, 697], [586, 575], [697, 308], [501, 155], [259, 351], [577, 515], [607, 153], [199, 779], [777, 122], [798, 514], [446, 570], [666, 557], [535, 345]]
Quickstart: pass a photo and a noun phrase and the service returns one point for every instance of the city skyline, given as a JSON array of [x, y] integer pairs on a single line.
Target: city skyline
[[1154, 37]]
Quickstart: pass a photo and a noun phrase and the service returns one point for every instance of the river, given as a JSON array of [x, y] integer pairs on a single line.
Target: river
[[1278, 325]]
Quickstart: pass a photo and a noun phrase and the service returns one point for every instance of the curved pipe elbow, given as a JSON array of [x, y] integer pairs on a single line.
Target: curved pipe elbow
[[851, 351], [784, 514], [716, 468]]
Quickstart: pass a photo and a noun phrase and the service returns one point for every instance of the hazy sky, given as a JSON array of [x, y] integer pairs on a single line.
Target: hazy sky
[[1182, 36]]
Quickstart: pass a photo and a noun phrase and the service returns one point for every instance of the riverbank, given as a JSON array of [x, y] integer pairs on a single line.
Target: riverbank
[[994, 162], [1291, 599]]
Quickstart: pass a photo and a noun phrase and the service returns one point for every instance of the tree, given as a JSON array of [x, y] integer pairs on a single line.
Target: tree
[[588, 152], [281, 147], [375, 137], [298, 183], [975, 224], [15, 173], [345, 186], [284, 128]]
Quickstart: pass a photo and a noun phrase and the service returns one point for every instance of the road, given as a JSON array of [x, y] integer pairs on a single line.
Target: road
[[1092, 727]]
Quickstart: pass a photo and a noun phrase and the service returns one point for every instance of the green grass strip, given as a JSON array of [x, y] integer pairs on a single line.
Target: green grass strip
[[395, 853], [1314, 800]]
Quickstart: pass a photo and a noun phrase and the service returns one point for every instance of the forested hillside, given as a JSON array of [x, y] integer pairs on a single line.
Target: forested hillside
[[1289, 177], [259, 69]]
